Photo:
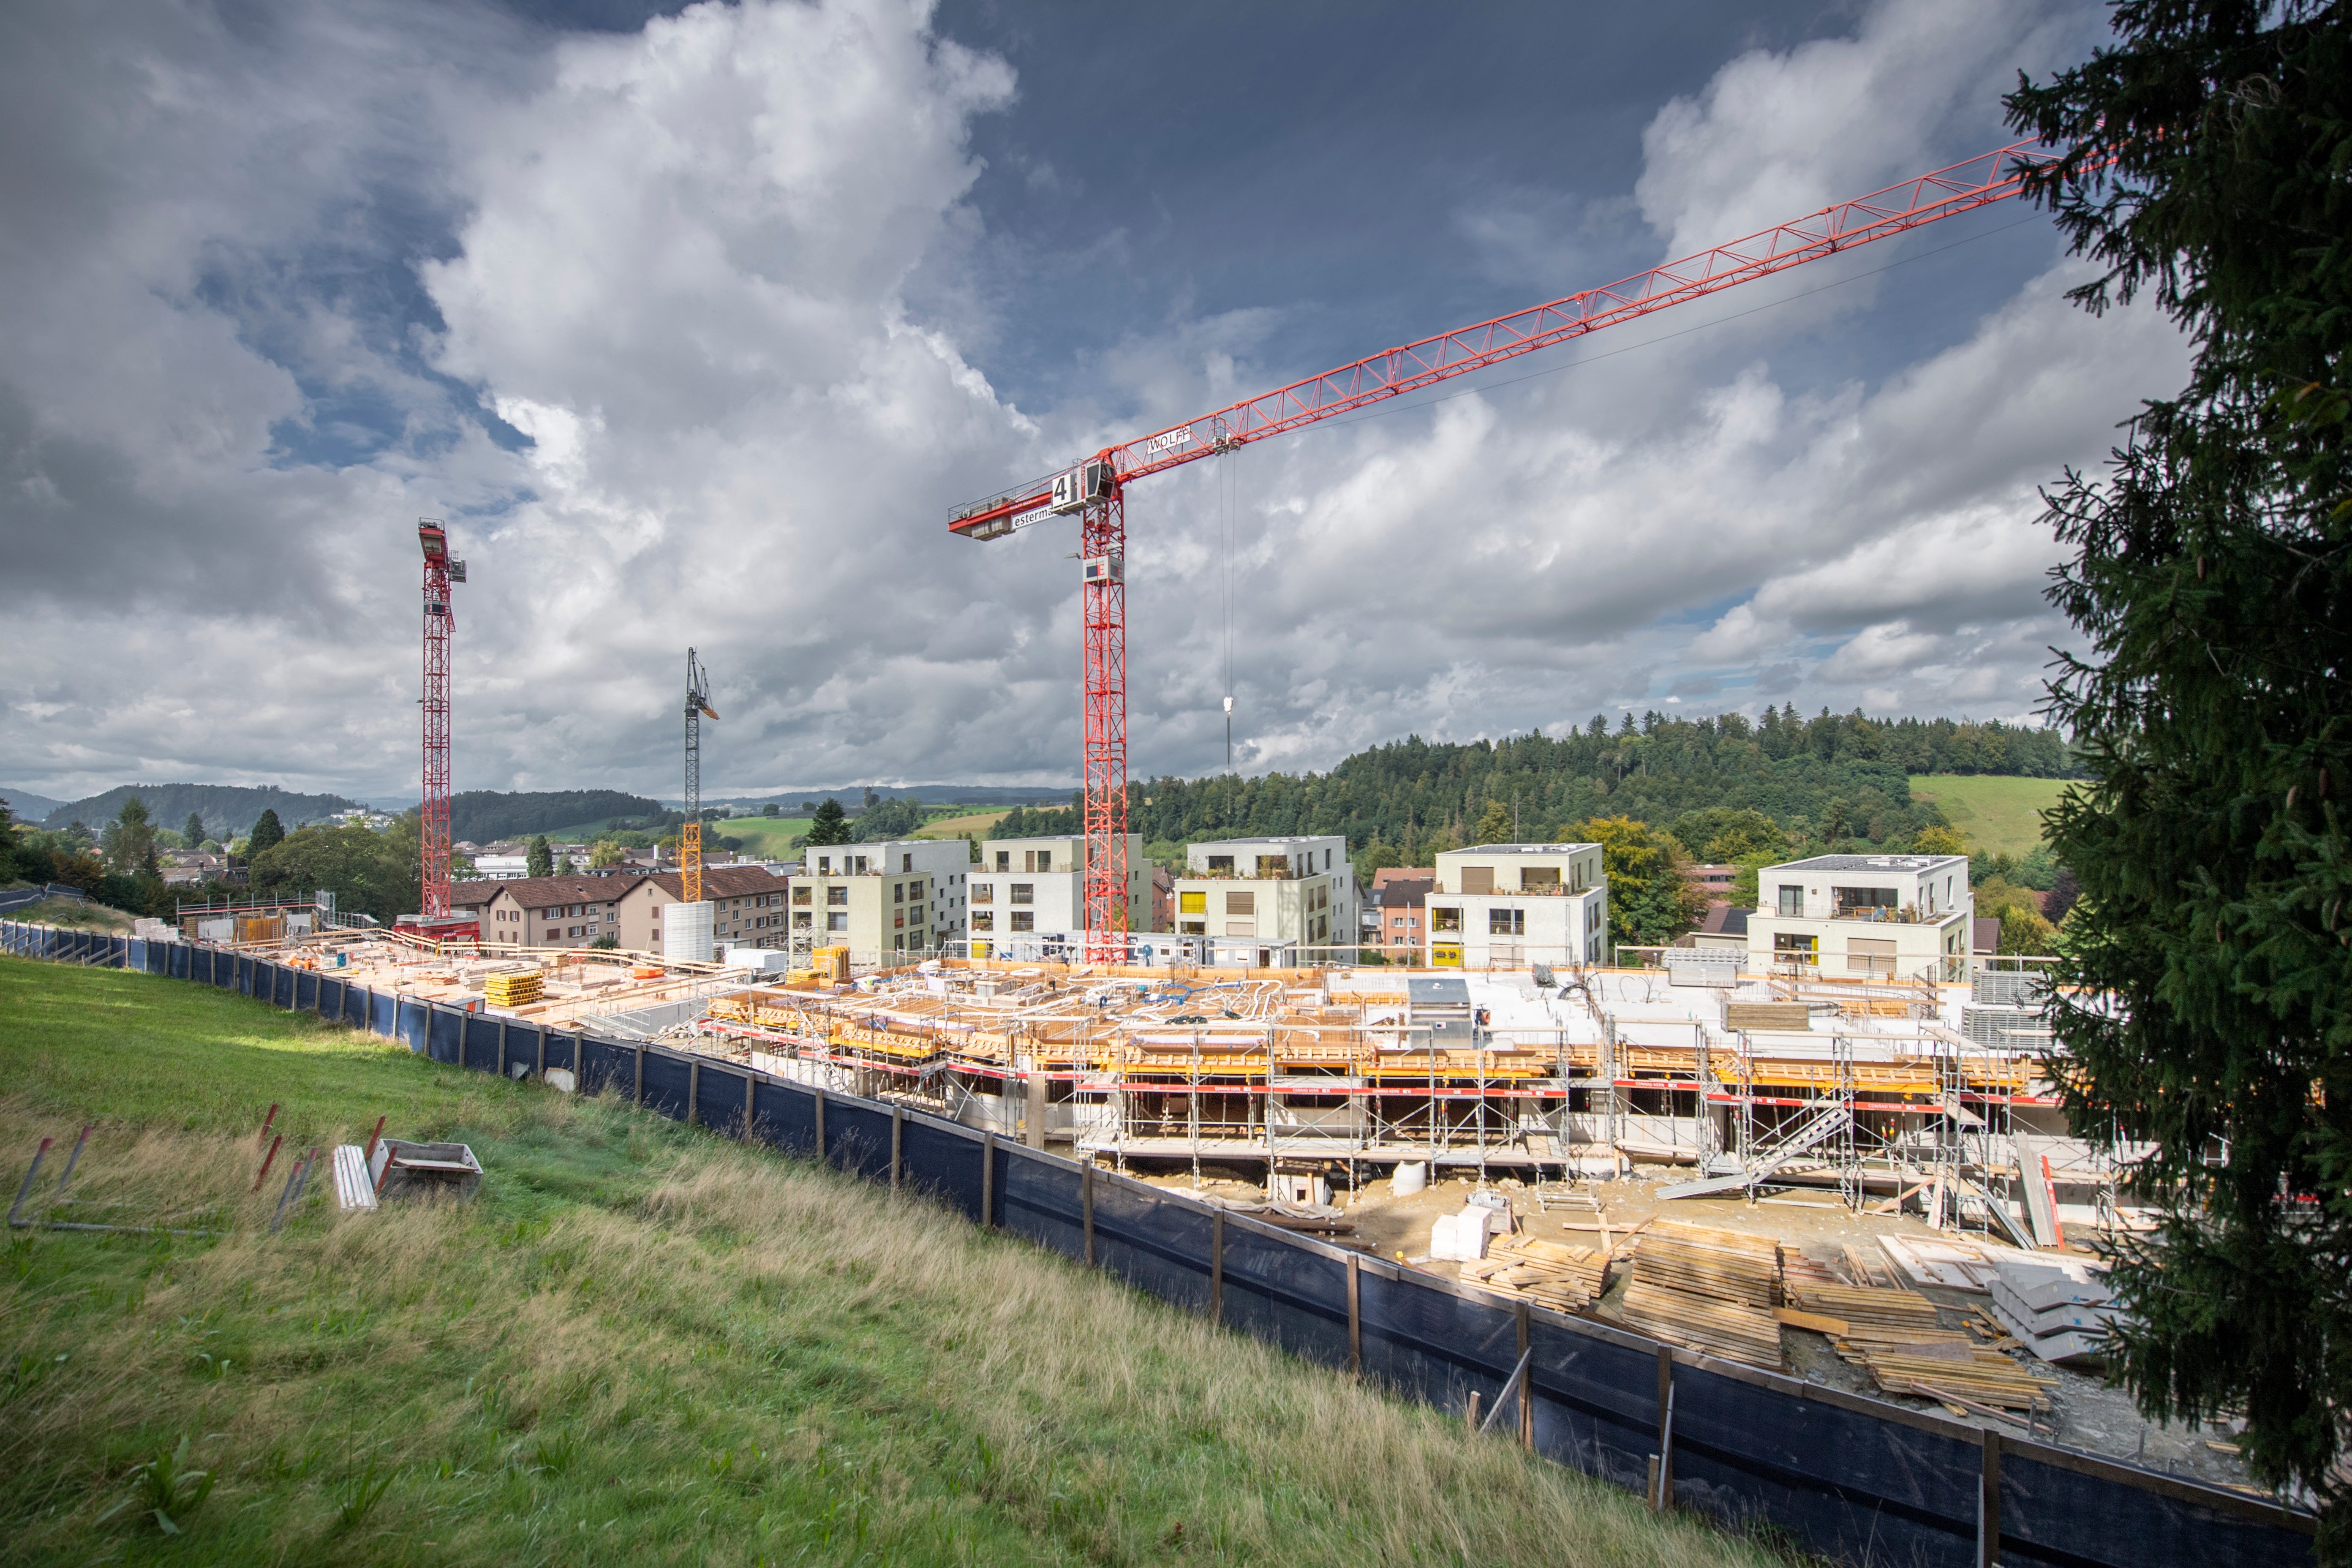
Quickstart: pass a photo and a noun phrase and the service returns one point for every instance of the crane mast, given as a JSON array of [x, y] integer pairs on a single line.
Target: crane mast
[[689, 838], [440, 570], [1095, 490]]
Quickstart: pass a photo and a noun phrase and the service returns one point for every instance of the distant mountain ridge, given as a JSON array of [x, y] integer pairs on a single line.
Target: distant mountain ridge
[[26, 806], [485, 815], [228, 810]]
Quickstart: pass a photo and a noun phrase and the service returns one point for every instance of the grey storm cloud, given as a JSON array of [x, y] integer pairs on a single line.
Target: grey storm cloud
[[686, 331]]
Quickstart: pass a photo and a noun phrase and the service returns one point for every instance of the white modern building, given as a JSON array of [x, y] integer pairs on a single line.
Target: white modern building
[[1030, 890], [1837, 916], [1298, 893], [880, 900], [1506, 906]]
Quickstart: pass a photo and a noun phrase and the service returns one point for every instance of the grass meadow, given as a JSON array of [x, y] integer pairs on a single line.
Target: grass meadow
[[639, 1343], [1999, 814]]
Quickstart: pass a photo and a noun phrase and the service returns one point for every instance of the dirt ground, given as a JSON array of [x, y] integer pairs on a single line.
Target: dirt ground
[[2087, 1415]]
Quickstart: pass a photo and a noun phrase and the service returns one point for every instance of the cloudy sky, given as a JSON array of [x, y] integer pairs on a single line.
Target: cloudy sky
[[695, 325]]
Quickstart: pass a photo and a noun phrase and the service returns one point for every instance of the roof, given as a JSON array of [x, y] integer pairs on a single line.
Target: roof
[[1521, 849], [719, 882], [1870, 863], [544, 892], [1267, 838], [1387, 874], [1404, 892], [1722, 919], [1437, 992], [1984, 935], [467, 895]]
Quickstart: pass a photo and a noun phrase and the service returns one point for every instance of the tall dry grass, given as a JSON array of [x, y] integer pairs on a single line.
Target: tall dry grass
[[748, 1344]]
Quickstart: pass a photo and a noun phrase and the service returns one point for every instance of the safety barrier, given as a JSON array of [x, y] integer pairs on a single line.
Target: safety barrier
[[1852, 1480]]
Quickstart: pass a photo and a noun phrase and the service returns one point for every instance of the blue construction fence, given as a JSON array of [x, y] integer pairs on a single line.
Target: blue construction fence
[[1849, 1479]]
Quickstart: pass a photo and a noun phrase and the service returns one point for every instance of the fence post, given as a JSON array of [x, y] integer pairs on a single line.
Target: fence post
[[898, 1136], [542, 1058], [1989, 1502], [820, 1121], [1526, 1383], [640, 1054], [1356, 1317], [987, 1181], [1087, 1202], [693, 1091], [751, 1107], [1217, 1266], [1662, 1495]]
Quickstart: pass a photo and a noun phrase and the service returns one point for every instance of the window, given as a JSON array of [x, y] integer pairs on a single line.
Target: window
[[1539, 879], [838, 896], [916, 914], [1792, 901], [1024, 893], [983, 919], [1193, 928], [824, 863], [1241, 903], [899, 921], [836, 922], [1870, 955], [1506, 922], [983, 892], [801, 895], [858, 865], [1327, 859], [1193, 903], [906, 863], [1477, 878], [1445, 920], [898, 892], [1789, 947], [802, 920], [1241, 928], [1037, 860], [1004, 859], [915, 889], [1024, 919], [1273, 864], [1220, 863], [1862, 903]]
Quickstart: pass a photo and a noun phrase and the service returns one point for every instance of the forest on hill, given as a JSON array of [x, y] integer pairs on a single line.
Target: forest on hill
[[229, 811], [1831, 779], [485, 815]]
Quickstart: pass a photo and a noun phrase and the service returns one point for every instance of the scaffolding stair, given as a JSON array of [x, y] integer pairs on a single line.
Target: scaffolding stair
[[1826, 1124]]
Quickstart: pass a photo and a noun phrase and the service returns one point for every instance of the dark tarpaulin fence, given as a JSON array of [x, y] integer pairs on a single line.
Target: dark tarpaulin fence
[[1851, 1479]]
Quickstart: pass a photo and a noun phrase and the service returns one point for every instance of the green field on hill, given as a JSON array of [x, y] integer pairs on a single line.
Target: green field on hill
[[639, 1343], [1997, 813]]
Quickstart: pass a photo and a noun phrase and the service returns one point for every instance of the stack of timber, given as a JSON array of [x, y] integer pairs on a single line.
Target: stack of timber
[[1565, 1279], [1724, 1264], [1789, 1017], [1867, 1265], [1960, 1376], [1859, 1312], [513, 989], [1710, 1290]]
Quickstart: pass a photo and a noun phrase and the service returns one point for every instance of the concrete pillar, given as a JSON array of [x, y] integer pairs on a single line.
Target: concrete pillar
[[1035, 1114]]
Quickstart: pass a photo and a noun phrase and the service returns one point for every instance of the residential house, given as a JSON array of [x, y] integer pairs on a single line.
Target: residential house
[[1715, 882], [551, 911], [882, 901], [1505, 906], [1294, 891], [1864, 915], [1038, 885], [748, 908], [1398, 915], [185, 868]]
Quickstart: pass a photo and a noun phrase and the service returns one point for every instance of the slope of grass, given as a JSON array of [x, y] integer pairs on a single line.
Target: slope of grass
[[639, 1343], [1999, 814], [957, 825], [767, 838]]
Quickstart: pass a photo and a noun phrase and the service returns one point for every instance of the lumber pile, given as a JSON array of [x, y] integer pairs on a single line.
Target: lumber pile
[[1893, 1316], [1867, 1265], [1960, 1375], [1565, 1279], [1722, 1264], [512, 989], [1793, 1016], [1706, 1323]]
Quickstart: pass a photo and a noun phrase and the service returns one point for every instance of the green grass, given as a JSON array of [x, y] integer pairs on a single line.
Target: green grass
[[1999, 814], [767, 838], [640, 1343]]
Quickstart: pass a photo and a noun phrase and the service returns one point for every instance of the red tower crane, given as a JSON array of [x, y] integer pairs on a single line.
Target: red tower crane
[[440, 570], [1095, 489]]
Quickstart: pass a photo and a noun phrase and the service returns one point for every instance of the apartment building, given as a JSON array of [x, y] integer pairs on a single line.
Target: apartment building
[[1505, 906], [746, 908], [1837, 916], [1397, 917], [549, 912], [1295, 891], [1026, 886], [880, 900]]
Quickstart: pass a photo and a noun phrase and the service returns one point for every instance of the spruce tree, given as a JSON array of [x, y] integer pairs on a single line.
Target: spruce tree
[[195, 831], [830, 824], [266, 830], [2212, 581], [537, 860]]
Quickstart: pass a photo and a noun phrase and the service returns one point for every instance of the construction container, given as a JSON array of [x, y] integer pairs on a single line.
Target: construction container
[[513, 989]]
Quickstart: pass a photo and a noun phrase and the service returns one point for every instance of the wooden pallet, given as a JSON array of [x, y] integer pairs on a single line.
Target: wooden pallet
[[1727, 1265], [1705, 1324]]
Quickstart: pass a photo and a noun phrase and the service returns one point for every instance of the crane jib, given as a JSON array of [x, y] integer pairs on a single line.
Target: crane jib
[[1962, 187]]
